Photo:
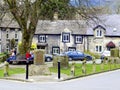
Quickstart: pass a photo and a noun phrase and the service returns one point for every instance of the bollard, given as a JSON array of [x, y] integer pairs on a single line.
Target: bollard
[[102, 64], [58, 69], [109, 63], [73, 69], [6, 69], [115, 62], [27, 68], [84, 67], [94, 66]]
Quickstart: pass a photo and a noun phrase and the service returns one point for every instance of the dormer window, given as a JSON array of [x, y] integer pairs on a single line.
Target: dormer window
[[99, 33]]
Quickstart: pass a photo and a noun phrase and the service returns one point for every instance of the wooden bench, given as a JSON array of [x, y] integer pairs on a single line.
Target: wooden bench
[[20, 59]]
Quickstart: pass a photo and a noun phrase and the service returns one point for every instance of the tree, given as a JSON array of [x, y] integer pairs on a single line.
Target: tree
[[28, 12], [12, 43]]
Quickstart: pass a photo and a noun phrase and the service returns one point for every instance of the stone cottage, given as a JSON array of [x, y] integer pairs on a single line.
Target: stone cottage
[[63, 35]]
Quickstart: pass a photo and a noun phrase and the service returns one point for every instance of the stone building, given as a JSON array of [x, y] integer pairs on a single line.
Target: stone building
[[62, 35]]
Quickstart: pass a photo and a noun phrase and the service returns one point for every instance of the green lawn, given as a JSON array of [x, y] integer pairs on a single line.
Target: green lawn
[[89, 69], [12, 71], [78, 69]]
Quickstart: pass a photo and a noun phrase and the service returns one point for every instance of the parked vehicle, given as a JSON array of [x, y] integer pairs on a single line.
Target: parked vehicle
[[48, 57], [72, 55], [105, 54], [77, 55]]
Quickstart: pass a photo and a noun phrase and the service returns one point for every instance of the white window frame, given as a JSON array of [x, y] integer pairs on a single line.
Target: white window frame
[[66, 37], [7, 47], [16, 34], [98, 48], [0, 48], [99, 33], [55, 50], [71, 48], [0, 34], [78, 39], [7, 34], [42, 38]]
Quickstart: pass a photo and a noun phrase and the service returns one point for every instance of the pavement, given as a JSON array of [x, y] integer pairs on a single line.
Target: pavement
[[38, 78], [53, 77]]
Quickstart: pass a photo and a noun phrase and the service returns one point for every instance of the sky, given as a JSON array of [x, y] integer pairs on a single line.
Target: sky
[[112, 4], [97, 2]]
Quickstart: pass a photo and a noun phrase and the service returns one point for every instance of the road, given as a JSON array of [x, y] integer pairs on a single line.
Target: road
[[105, 81]]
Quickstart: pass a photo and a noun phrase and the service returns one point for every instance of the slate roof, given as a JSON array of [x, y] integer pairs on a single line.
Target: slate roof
[[8, 22], [56, 27], [111, 24]]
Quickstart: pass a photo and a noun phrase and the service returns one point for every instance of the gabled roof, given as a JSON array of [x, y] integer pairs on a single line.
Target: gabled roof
[[57, 27], [8, 22], [99, 26], [111, 23], [110, 44]]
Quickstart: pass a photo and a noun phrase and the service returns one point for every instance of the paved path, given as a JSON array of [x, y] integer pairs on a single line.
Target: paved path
[[105, 81]]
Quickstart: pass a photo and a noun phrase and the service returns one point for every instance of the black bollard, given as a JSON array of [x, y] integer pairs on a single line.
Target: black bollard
[[27, 69], [58, 69]]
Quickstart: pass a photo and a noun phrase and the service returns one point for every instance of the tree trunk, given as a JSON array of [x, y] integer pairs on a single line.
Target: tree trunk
[[27, 37]]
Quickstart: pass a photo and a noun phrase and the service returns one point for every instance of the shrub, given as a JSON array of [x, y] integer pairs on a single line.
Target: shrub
[[33, 46], [93, 54], [114, 52]]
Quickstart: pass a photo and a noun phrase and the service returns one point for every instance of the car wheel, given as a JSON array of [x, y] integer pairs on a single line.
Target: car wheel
[[70, 59], [88, 58], [48, 59]]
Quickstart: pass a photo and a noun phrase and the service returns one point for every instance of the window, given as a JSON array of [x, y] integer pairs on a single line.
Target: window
[[0, 34], [98, 48], [42, 38], [78, 39], [16, 34], [65, 37], [7, 47], [71, 48], [0, 49], [55, 49], [7, 34], [99, 33]]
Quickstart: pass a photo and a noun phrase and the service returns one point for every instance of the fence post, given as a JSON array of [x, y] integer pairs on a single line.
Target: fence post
[[109, 62], [73, 69], [102, 64], [94, 66], [6, 69], [115, 61], [84, 67]]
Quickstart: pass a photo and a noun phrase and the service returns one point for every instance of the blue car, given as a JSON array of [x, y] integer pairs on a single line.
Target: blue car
[[77, 55]]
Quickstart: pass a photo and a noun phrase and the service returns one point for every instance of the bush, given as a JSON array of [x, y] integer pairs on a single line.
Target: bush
[[4, 56], [115, 52], [33, 47], [93, 54]]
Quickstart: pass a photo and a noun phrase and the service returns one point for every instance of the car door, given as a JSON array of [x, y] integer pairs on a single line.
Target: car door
[[80, 55]]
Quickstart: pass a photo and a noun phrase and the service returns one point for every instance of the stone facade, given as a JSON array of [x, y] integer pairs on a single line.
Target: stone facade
[[63, 35]]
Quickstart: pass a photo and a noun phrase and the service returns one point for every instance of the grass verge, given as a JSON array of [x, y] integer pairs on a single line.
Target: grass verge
[[12, 71], [89, 69]]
